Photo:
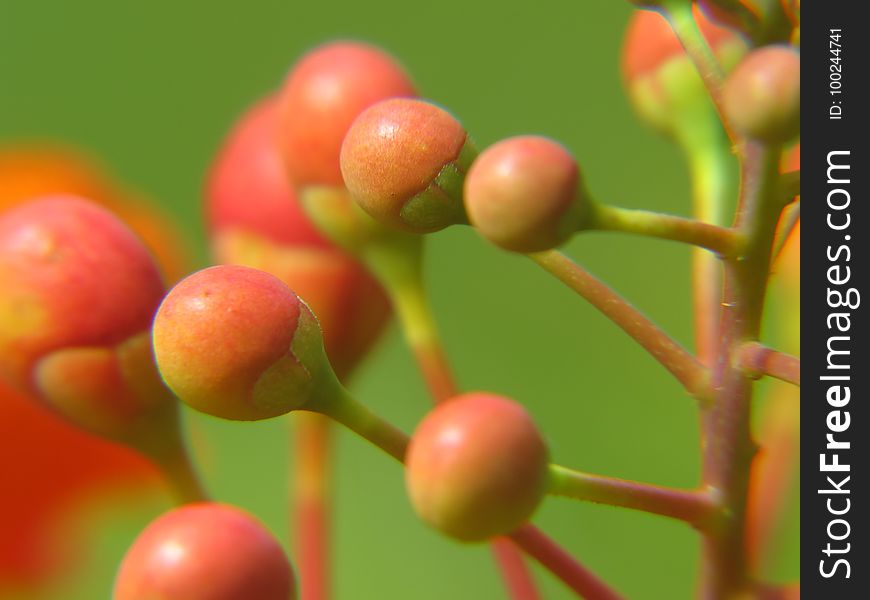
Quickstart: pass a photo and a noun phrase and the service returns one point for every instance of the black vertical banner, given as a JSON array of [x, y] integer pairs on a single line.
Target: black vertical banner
[[835, 436]]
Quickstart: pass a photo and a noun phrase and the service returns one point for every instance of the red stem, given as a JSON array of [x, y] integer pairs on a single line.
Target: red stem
[[757, 359], [311, 517], [517, 577], [728, 447], [676, 359], [562, 564]]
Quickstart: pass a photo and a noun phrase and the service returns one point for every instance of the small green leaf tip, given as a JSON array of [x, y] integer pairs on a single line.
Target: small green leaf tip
[[237, 343], [404, 161], [762, 97], [525, 194], [476, 467]]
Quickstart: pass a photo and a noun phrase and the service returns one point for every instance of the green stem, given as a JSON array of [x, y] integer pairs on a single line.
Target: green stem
[[685, 367], [721, 240], [183, 480], [679, 14], [337, 404], [695, 507], [713, 171]]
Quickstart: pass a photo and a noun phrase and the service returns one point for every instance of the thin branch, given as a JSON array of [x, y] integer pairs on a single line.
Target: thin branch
[[676, 359], [680, 16], [696, 507], [562, 565], [723, 241], [757, 360]]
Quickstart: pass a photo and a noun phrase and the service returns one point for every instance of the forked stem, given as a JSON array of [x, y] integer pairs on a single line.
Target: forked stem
[[336, 403], [564, 566], [676, 359]]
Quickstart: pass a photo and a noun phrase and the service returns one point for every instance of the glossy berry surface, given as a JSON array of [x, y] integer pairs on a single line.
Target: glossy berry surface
[[72, 275], [523, 194], [236, 343], [404, 161], [476, 467], [322, 96], [205, 551]]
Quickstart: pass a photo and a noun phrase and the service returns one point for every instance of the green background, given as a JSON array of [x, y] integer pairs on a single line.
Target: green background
[[151, 88]]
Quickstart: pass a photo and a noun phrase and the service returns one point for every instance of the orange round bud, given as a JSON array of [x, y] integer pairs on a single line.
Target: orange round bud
[[256, 220], [205, 551], [34, 171], [404, 161], [71, 276], [662, 83], [323, 94], [248, 188], [762, 97], [237, 343], [524, 194], [476, 467]]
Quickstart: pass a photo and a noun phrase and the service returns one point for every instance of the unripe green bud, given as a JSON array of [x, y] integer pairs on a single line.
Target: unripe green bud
[[237, 343], [524, 194], [762, 97], [476, 467], [404, 161]]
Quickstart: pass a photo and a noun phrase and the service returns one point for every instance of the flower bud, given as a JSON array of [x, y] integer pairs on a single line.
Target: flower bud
[[237, 343], [205, 551], [323, 94], [73, 276], [476, 467], [524, 194], [662, 82], [404, 161], [762, 97], [256, 220], [34, 171]]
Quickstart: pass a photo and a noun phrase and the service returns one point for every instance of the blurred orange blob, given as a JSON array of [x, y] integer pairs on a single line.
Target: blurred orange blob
[[30, 171], [50, 467]]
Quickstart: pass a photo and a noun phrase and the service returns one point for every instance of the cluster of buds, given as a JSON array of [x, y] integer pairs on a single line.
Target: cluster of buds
[[317, 205]]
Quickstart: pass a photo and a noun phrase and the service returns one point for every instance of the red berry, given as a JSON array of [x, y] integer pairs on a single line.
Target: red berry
[[324, 93], [256, 220], [248, 188], [237, 343], [476, 467], [72, 275], [524, 194], [205, 552], [404, 161]]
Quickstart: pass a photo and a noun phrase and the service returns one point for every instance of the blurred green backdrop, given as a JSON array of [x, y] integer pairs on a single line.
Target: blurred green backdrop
[[151, 88]]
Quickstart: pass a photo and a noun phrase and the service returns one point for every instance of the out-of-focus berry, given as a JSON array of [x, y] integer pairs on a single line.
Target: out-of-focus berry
[[205, 551]]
